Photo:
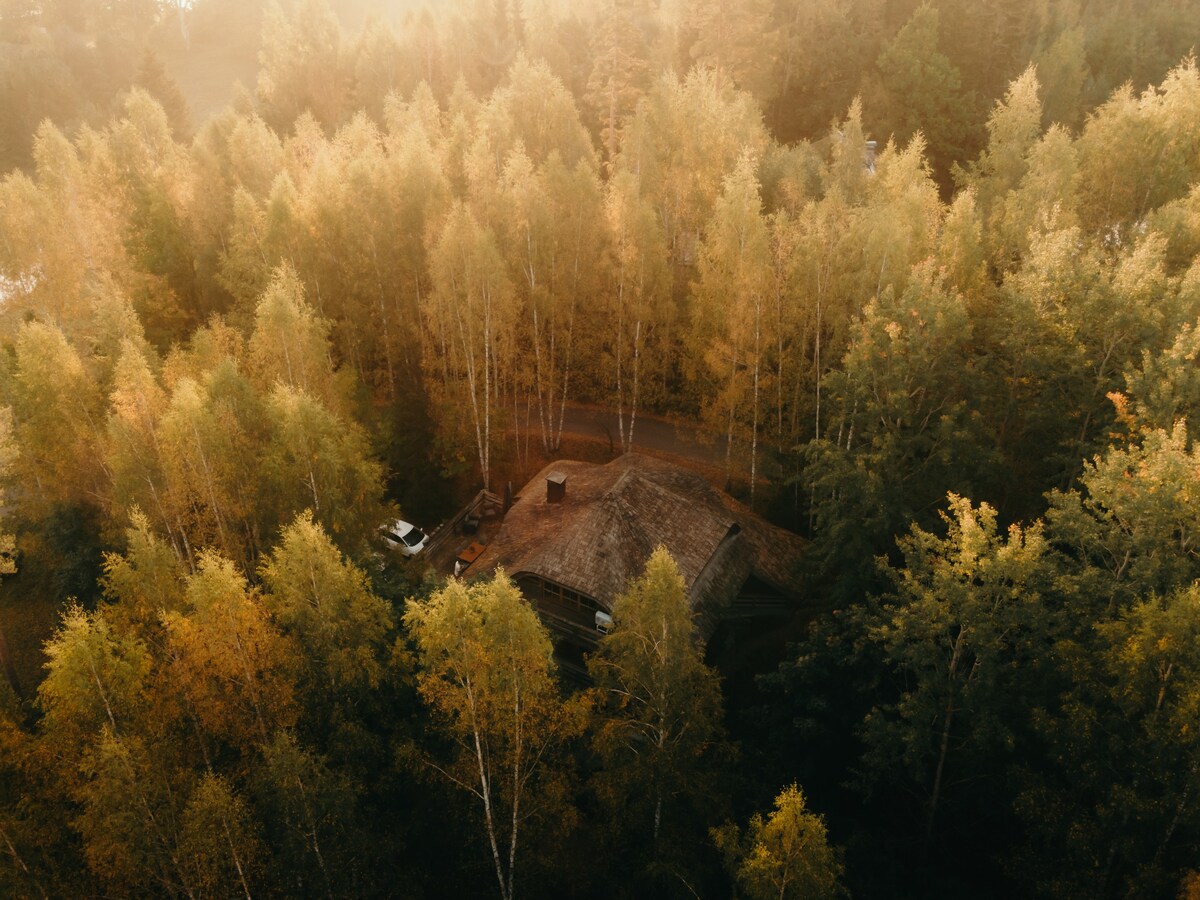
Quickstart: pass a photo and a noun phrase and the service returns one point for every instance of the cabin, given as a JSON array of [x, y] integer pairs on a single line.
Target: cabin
[[579, 532]]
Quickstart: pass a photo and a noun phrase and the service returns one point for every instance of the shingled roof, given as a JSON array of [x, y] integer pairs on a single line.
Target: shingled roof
[[600, 535]]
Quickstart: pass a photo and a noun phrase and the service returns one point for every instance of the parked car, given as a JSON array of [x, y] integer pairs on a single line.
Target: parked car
[[404, 536]]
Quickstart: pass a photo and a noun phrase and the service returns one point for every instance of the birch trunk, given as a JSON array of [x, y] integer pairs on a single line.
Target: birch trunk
[[944, 744]]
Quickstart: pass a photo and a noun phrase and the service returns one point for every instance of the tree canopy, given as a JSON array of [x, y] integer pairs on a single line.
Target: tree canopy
[[919, 281]]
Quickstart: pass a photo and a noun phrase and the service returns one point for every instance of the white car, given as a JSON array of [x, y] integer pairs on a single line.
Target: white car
[[404, 536]]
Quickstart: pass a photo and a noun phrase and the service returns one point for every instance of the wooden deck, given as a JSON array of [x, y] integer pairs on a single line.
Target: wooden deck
[[475, 524]]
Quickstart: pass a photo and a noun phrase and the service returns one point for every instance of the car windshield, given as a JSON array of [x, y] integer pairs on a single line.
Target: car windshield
[[414, 537]]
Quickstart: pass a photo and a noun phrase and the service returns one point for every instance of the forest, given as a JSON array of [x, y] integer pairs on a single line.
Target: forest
[[925, 274]]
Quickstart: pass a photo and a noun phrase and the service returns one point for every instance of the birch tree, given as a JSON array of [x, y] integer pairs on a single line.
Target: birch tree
[[145, 581], [535, 109], [488, 675], [554, 242], [95, 680], [96, 707], [316, 460], [290, 344], [199, 445], [305, 808], [58, 421], [469, 322], [228, 659], [1129, 532], [786, 854], [731, 314], [1014, 128], [8, 543], [660, 712], [304, 65], [129, 818], [420, 195], [218, 846], [327, 603], [348, 227], [136, 406], [636, 304], [686, 136]]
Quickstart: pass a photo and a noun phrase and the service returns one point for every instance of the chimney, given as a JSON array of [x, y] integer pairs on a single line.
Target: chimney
[[869, 156], [556, 487]]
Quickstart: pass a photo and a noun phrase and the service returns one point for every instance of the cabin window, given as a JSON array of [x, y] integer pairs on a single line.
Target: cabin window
[[565, 597]]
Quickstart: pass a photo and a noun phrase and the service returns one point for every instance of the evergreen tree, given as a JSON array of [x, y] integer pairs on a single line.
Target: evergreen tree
[[924, 90], [153, 78], [620, 70]]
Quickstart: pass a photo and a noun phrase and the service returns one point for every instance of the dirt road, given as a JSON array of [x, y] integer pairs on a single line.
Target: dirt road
[[666, 436]]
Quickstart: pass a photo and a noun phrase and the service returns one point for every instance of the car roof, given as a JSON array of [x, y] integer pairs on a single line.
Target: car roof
[[400, 527]]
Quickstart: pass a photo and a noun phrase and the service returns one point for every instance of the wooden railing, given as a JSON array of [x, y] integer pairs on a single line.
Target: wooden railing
[[481, 503]]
